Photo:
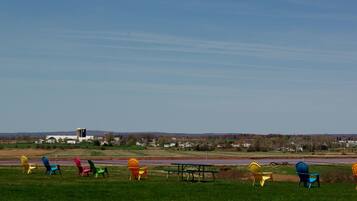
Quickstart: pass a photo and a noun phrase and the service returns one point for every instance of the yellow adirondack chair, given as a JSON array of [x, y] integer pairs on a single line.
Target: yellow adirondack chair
[[28, 167], [258, 175], [354, 171]]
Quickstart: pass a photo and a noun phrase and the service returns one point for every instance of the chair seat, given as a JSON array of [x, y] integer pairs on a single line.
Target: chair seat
[[266, 177], [312, 179], [32, 167], [54, 167], [100, 171], [86, 170]]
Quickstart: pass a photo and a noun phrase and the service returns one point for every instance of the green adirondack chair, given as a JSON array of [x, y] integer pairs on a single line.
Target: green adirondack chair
[[98, 170]]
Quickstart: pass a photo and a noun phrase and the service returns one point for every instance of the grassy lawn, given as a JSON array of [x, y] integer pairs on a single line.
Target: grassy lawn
[[14, 185]]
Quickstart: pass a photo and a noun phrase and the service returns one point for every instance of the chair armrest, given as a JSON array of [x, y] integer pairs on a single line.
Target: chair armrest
[[302, 173], [266, 173], [54, 165], [309, 174]]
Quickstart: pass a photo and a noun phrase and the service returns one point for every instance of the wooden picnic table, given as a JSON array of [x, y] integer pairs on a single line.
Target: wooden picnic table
[[192, 168]]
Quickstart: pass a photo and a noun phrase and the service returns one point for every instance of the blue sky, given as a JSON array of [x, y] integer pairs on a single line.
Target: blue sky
[[193, 66]]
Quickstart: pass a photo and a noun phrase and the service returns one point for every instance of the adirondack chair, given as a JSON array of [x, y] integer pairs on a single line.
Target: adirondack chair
[[302, 170], [354, 171], [98, 170], [258, 175], [28, 167], [136, 172], [51, 169], [82, 171]]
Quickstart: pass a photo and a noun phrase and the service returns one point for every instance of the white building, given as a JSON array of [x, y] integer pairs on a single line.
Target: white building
[[67, 138]]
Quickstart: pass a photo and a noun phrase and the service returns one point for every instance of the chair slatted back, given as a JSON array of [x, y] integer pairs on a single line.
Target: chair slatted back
[[46, 163], [354, 169], [77, 161], [302, 169], [24, 161], [133, 162], [254, 167], [92, 166]]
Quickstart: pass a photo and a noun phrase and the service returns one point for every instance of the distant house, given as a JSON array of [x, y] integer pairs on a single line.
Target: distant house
[[246, 145], [152, 143], [71, 141], [168, 145], [183, 144], [51, 140], [141, 144], [351, 143], [39, 141], [235, 145], [348, 143]]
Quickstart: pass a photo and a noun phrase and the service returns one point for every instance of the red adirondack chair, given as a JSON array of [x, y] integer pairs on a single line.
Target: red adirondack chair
[[82, 171]]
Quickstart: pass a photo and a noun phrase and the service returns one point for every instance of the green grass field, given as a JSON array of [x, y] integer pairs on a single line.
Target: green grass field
[[14, 185]]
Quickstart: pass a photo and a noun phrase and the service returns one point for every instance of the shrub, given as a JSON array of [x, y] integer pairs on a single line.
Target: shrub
[[337, 176], [96, 143], [233, 174], [96, 153]]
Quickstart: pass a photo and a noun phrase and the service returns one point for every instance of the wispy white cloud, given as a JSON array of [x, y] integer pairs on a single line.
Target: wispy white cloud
[[165, 43]]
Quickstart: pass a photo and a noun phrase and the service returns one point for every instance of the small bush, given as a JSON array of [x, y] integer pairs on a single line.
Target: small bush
[[337, 176], [96, 143], [233, 174], [96, 153]]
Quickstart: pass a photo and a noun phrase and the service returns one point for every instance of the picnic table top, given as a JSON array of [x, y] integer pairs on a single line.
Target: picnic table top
[[192, 164]]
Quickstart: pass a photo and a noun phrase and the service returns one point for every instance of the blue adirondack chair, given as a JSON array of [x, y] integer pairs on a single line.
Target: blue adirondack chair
[[302, 170], [51, 169]]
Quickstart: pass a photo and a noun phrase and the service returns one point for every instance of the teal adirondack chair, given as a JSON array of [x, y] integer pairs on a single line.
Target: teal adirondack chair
[[98, 170], [302, 170], [51, 169]]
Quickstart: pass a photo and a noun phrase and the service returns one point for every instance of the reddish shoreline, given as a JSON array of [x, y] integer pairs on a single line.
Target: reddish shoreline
[[201, 157]]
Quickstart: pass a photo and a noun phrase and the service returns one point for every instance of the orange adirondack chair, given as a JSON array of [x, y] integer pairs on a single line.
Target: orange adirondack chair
[[28, 167], [136, 172], [354, 171], [258, 175]]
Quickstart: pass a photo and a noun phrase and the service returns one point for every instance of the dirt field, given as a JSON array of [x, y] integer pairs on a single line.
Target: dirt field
[[159, 153]]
